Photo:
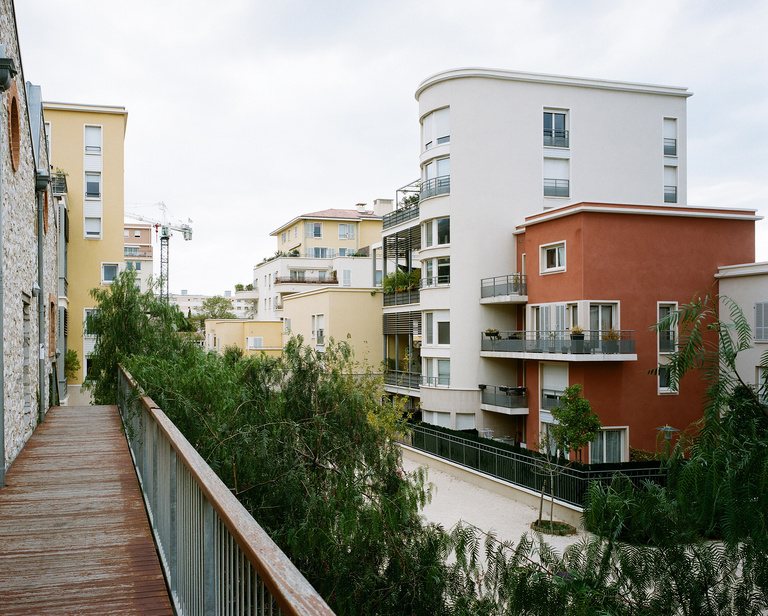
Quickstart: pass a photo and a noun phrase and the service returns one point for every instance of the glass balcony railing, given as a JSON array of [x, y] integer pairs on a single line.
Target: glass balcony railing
[[556, 137], [436, 381], [399, 378], [670, 147], [594, 342], [512, 284], [556, 188], [670, 194], [507, 397], [550, 398], [435, 186]]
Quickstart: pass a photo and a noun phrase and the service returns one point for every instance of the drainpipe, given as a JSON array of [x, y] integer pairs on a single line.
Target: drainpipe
[[41, 183], [7, 71]]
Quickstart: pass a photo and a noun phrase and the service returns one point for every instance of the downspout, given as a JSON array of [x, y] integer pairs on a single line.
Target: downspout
[[41, 183], [7, 71]]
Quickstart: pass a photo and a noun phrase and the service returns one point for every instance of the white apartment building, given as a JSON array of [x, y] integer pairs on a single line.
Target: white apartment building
[[193, 303], [497, 146]]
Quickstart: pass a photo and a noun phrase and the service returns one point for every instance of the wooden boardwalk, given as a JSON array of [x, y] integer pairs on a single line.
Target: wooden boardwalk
[[74, 536]]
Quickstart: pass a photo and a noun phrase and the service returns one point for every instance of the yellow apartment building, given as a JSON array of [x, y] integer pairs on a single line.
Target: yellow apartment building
[[349, 315], [253, 337], [86, 143]]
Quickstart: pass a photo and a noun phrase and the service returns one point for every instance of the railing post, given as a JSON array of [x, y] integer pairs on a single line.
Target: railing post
[[173, 523], [209, 560]]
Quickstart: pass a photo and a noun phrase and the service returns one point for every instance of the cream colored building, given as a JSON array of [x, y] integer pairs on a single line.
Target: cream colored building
[[350, 315], [253, 337], [86, 144]]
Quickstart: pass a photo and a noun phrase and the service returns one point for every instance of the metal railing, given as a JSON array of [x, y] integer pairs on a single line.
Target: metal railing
[[512, 284], [507, 397], [401, 215], [670, 194], [409, 296], [550, 398], [556, 137], [132, 251], [670, 146], [556, 188], [435, 186], [527, 470], [59, 183], [306, 280], [435, 281], [436, 381], [399, 378], [605, 342], [667, 341], [217, 559]]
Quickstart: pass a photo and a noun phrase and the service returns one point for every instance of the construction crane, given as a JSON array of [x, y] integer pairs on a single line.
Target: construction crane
[[164, 227]]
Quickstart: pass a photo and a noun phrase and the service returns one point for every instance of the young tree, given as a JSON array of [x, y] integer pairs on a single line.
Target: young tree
[[577, 424]]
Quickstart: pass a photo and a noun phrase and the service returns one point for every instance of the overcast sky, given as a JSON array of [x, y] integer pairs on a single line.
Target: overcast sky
[[243, 114]]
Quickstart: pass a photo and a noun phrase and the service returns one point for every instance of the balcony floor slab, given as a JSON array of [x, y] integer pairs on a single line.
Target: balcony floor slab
[[575, 357]]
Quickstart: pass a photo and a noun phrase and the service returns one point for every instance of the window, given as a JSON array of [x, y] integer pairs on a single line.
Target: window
[[108, 272], [282, 236], [443, 332], [88, 312], [428, 234], [670, 184], [761, 321], [664, 384], [430, 318], [670, 137], [346, 231], [131, 251], [92, 228], [92, 185], [317, 252], [254, 342], [435, 128], [318, 321], [555, 133], [137, 233], [443, 371], [298, 275], [314, 229], [465, 421], [346, 277], [13, 128], [601, 318], [296, 231], [343, 252], [607, 447], [444, 270], [666, 336], [126, 233], [553, 258], [444, 231], [137, 266], [436, 178], [93, 139], [556, 182], [377, 278], [428, 272]]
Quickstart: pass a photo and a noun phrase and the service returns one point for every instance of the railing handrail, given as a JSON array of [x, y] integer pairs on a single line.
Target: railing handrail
[[290, 589], [511, 284], [565, 334], [399, 215]]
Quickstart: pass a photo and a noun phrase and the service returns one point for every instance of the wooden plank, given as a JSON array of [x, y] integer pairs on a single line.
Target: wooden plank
[[74, 536]]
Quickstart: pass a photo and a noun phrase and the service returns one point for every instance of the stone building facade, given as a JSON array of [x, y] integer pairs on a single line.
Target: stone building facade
[[28, 269]]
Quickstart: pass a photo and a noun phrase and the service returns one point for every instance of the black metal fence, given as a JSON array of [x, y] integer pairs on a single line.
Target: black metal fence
[[526, 468]]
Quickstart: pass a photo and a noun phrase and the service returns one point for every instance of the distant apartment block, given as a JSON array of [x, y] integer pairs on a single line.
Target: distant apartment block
[[138, 251], [190, 303]]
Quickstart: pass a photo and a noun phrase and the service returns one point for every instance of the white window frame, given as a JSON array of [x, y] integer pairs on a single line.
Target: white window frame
[[312, 229], [346, 277], [624, 431], [86, 312], [566, 121], [137, 233], [117, 272], [93, 150], [346, 231], [92, 236], [254, 342], [561, 257], [761, 321], [436, 128], [664, 390], [437, 333], [672, 306], [429, 320], [92, 175]]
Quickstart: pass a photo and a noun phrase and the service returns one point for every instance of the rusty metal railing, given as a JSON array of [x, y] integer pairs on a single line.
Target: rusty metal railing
[[217, 559]]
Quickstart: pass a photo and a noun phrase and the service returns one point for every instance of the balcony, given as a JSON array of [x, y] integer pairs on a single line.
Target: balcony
[[670, 194], [670, 147], [400, 298], [399, 378], [435, 186], [509, 289], [550, 398], [306, 280], [596, 345], [435, 281], [556, 188], [556, 137], [129, 251], [436, 381], [508, 400], [400, 216], [59, 183]]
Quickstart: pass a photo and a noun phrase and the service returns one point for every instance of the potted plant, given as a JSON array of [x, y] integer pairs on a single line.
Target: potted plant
[[492, 333], [577, 339], [610, 341]]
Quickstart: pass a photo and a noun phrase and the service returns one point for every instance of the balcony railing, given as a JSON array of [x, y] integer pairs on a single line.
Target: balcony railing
[[435, 281], [670, 147], [217, 559], [306, 280], [399, 298], [550, 398], [59, 183], [508, 397], [603, 342], [401, 215], [513, 284], [129, 251], [436, 381], [435, 186], [399, 378], [556, 188], [556, 137], [667, 341], [670, 194]]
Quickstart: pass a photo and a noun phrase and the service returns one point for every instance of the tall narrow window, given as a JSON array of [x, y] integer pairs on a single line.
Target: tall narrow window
[[429, 319], [92, 185], [314, 229], [443, 371], [670, 184], [435, 128], [346, 277], [436, 178], [444, 231], [761, 321], [444, 271], [555, 133], [667, 335], [93, 139], [670, 137], [92, 228], [556, 183], [443, 332]]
